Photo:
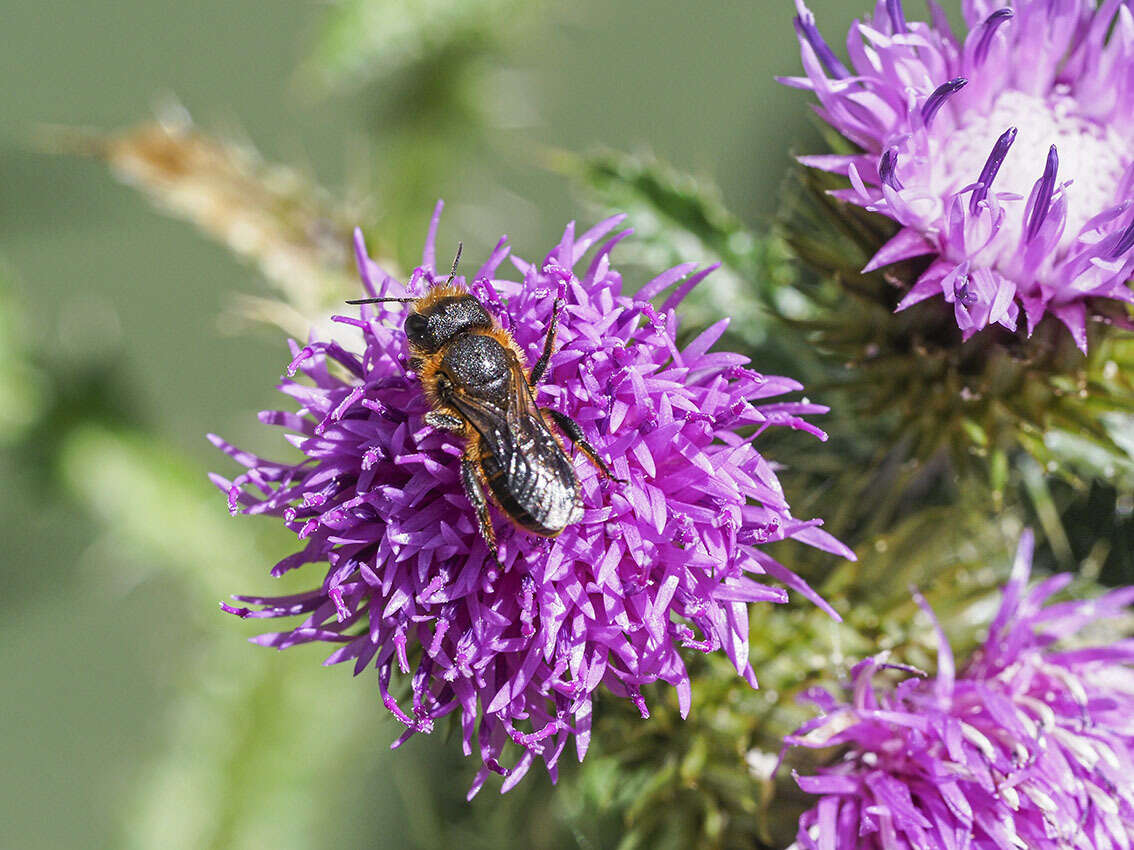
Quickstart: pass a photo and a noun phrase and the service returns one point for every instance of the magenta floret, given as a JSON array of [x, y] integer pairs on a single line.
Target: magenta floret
[[1028, 746], [1006, 156], [669, 560]]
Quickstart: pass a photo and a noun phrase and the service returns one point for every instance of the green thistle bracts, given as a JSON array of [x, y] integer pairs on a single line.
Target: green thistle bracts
[[981, 401]]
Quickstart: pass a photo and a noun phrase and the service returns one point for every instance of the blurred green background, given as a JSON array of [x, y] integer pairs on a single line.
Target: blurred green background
[[134, 713]]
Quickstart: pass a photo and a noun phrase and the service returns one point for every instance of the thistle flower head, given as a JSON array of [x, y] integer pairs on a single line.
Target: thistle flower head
[[1004, 156], [517, 648], [1027, 746]]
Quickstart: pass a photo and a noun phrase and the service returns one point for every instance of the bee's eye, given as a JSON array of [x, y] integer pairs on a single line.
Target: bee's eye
[[415, 326]]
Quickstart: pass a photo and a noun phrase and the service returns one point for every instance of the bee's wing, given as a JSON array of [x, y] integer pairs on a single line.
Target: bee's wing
[[490, 420], [539, 476], [516, 427]]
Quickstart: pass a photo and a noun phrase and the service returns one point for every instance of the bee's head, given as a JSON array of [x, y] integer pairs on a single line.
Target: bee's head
[[436, 319], [441, 315]]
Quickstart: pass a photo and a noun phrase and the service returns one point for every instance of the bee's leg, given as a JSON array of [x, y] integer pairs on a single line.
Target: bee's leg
[[470, 478], [571, 428], [541, 364], [444, 421]]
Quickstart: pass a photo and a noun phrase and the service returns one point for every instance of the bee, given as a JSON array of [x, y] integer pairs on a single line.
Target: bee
[[473, 375]]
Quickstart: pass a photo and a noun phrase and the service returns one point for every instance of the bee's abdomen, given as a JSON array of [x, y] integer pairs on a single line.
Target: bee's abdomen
[[541, 496]]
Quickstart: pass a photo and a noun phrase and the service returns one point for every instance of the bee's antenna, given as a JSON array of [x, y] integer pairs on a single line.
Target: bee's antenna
[[378, 300], [456, 259], [452, 274]]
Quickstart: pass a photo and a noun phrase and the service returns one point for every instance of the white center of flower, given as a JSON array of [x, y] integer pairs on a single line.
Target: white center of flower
[[1094, 156]]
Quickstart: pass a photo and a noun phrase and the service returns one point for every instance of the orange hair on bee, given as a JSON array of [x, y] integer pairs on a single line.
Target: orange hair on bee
[[435, 294], [428, 372]]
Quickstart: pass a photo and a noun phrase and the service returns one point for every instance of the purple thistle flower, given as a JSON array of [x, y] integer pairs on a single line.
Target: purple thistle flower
[[1028, 747], [1006, 156], [668, 560]]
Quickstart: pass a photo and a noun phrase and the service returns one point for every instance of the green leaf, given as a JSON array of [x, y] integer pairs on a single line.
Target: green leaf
[[23, 389], [677, 218], [362, 41]]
